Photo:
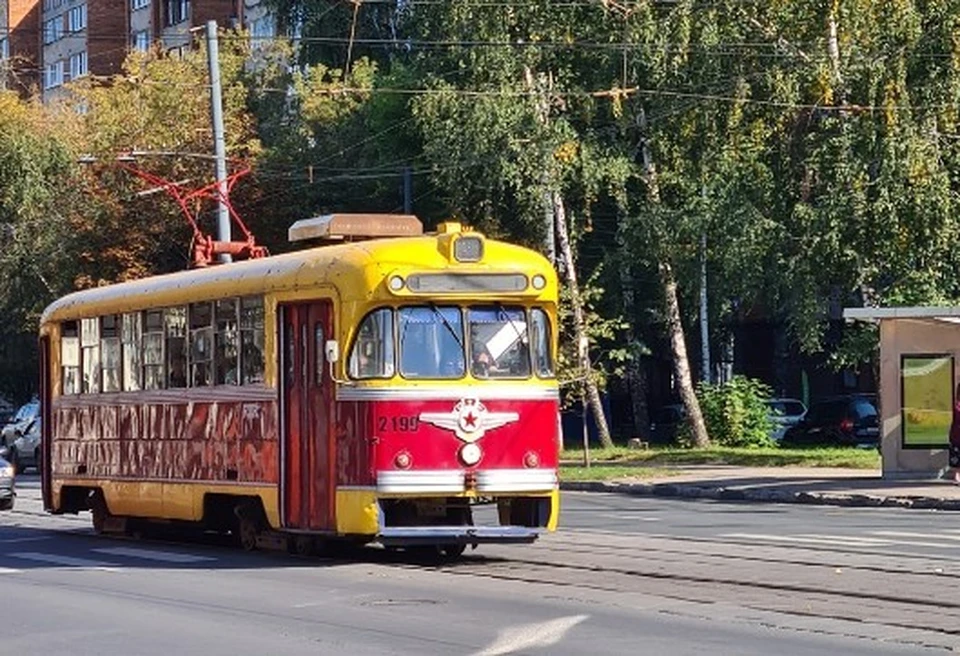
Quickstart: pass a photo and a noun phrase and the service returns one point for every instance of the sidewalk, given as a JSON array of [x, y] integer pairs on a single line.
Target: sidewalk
[[820, 486]]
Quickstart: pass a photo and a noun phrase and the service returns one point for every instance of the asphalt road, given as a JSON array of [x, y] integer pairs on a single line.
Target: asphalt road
[[625, 576]]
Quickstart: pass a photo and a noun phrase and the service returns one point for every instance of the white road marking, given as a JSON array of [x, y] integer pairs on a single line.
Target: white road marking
[[9, 570], [837, 540], [152, 554], [528, 636], [30, 539], [65, 561], [907, 534]]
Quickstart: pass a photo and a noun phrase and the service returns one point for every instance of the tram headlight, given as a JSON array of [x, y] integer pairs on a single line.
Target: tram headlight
[[470, 454], [396, 283], [531, 460], [403, 460], [468, 249], [538, 282]]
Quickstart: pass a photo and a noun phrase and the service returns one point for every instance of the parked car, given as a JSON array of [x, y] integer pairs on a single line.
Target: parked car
[[7, 492], [21, 421], [850, 420], [25, 450], [785, 413]]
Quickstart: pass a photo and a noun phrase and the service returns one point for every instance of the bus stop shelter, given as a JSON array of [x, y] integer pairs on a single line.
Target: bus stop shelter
[[919, 356]]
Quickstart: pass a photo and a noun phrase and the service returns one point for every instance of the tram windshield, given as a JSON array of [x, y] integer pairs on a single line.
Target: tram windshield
[[437, 342]]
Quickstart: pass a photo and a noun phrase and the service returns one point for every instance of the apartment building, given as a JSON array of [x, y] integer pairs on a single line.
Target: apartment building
[[19, 44], [50, 42]]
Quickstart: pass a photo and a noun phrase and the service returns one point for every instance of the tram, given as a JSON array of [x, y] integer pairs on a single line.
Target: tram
[[387, 386]]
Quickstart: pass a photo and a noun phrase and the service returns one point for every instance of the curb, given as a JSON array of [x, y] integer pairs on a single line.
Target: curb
[[694, 491]]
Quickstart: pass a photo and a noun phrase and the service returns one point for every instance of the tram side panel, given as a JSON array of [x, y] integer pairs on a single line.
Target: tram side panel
[[159, 460]]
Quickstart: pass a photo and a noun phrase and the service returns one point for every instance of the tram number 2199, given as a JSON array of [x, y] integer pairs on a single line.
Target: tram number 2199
[[399, 424]]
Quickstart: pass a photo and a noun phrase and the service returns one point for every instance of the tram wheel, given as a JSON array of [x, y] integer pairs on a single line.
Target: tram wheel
[[304, 545], [247, 534]]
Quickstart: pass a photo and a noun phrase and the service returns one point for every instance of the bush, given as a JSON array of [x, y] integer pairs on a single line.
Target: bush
[[736, 412]]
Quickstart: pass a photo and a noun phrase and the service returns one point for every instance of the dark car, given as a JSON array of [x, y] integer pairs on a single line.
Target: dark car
[[850, 420], [7, 493]]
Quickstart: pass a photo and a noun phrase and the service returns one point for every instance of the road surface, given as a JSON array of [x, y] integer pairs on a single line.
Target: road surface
[[624, 576]]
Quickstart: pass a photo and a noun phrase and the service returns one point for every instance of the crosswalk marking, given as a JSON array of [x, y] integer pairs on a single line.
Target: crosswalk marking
[[152, 554], [65, 561]]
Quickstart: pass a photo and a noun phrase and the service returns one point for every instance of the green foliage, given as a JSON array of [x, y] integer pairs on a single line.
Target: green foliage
[[735, 412]]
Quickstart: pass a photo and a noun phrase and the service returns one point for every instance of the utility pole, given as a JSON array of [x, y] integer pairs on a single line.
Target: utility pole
[[219, 143]]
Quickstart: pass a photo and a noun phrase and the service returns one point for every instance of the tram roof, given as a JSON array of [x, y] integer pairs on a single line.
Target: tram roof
[[357, 270]]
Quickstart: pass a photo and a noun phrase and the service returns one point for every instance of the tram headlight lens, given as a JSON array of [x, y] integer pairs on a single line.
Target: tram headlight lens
[[403, 460], [468, 249], [470, 454], [531, 460], [396, 283], [538, 282]]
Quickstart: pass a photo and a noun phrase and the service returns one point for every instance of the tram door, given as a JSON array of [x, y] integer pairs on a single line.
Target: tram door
[[307, 485]]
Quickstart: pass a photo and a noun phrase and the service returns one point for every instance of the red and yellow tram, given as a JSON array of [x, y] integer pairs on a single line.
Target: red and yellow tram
[[397, 390]]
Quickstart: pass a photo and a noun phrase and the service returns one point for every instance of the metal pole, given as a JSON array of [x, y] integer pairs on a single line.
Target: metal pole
[[704, 316], [219, 144]]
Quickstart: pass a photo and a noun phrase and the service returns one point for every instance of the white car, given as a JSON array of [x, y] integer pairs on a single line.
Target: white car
[[785, 413]]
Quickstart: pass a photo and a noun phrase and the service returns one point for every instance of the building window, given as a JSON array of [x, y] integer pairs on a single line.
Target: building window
[[139, 4], [77, 18], [176, 11], [53, 75], [70, 356], [53, 30], [141, 40], [4, 48], [78, 65]]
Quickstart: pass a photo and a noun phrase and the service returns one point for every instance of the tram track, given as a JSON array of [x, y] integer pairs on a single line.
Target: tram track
[[907, 592]]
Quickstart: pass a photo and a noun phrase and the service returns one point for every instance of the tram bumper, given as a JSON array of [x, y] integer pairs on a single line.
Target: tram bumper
[[406, 536]]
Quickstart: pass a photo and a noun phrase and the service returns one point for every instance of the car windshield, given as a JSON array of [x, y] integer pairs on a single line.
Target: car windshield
[[431, 342], [27, 411]]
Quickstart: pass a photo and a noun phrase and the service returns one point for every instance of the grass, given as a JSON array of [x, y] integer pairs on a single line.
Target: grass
[[621, 458]]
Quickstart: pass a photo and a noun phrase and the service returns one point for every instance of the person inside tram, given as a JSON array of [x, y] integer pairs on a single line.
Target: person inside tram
[[483, 363]]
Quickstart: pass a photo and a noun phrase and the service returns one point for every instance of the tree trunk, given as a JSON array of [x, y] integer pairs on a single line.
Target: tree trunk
[[566, 252], [681, 364]]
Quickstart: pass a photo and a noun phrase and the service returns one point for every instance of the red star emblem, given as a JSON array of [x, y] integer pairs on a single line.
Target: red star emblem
[[470, 419]]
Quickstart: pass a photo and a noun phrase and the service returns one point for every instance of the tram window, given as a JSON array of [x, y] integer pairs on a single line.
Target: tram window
[[372, 353], [201, 344], [90, 355], [226, 342], [131, 337], [110, 353], [70, 357], [431, 342], [175, 345], [499, 343], [251, 339], [541, 343], [153, 369]]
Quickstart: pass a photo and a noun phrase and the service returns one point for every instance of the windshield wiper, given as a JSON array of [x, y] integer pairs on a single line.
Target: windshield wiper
[[447, 324]]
